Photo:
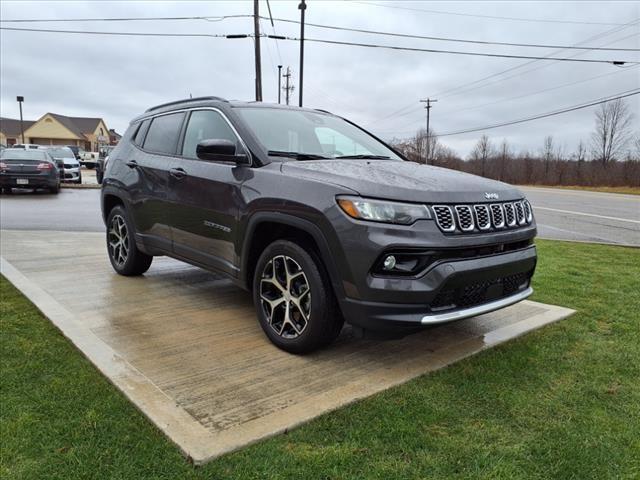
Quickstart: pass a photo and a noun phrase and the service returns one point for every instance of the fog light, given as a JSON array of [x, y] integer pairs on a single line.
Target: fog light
[[389, 262]]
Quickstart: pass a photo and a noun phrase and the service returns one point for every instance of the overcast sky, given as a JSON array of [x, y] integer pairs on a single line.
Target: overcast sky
[[118, 77]]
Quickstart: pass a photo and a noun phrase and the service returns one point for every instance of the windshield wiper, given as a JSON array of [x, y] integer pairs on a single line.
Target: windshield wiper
[[296, 155], [364, 157]]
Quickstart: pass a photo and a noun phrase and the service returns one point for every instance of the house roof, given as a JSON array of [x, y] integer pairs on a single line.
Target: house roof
[[115, 134], [11, 127], [78, 125]]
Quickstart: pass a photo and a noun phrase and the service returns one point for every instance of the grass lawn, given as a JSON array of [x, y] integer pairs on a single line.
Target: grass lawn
[[562, 402]]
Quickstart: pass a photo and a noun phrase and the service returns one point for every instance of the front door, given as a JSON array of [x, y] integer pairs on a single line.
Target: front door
[[204, 196]]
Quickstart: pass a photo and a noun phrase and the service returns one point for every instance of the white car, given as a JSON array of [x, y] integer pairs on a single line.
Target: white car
[[71, 170]]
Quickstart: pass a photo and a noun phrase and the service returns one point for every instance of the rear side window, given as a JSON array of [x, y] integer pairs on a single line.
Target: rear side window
[[163, 133], [140, 132], [206, 125]]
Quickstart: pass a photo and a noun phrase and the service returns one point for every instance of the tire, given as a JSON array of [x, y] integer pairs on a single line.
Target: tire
[[123, 253], [55, 189], [79, 181], [303, 292]]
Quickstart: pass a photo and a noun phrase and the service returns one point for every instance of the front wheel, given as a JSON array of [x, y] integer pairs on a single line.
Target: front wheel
[[294, 300], [124, 255]]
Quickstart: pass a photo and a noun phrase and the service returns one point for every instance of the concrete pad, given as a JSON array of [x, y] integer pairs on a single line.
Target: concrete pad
[[185, 347]]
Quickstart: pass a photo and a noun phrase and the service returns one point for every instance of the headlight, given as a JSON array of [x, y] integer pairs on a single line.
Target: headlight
[[382, 210]]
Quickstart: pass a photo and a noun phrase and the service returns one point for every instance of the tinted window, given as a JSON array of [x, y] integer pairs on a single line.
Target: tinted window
[[19, 154], [206, 125], [142, 129], [61, 153], [163, 133]]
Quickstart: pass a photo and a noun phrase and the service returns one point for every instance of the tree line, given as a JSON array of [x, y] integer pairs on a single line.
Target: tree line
[[611, 157]]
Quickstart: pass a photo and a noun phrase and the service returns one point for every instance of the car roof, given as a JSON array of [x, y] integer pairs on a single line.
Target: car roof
[[216, 102]]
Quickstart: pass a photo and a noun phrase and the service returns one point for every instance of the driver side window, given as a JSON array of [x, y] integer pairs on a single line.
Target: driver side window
[[206, 125]]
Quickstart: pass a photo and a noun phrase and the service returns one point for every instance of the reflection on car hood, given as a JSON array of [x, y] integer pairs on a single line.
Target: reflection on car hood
[[399, 180]]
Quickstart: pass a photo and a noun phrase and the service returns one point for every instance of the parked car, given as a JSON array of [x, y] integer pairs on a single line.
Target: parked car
[[77, 151], [321, 220], [20, 168], [89, 159], [71, 167], [26, 146]]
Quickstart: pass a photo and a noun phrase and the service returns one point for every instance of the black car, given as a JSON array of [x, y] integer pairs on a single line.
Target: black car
[[28, 169], [320, 219]]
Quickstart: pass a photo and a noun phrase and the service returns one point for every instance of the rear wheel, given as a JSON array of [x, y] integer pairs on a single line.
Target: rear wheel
[[294, 300], [124, 255], [55, 189]]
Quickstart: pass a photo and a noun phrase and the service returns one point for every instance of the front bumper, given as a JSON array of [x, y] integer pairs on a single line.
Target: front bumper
[[71, 174], [451, 290]]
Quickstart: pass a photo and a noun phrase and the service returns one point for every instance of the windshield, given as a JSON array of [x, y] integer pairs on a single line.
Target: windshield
[[311, 135], [61, 153]]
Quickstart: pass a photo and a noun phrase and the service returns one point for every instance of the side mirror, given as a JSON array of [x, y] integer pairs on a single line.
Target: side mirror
[[220, 150]]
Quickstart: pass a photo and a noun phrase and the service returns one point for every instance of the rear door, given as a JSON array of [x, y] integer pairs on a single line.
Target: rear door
[[204, 196], [148, 166]]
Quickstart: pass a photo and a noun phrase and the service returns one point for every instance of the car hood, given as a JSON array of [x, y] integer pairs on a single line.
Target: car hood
[[397, 180]]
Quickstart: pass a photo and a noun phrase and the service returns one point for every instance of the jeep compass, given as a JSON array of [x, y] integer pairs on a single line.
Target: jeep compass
[[323, 222]]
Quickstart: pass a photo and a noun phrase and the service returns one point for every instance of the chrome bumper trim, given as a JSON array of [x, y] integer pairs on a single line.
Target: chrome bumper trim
[[473, 311]]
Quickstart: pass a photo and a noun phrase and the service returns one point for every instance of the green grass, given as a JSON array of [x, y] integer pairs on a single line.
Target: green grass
[[562, 402]]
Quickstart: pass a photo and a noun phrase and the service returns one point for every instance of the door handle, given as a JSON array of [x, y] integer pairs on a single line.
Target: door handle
[[178, 173], [132, 164]]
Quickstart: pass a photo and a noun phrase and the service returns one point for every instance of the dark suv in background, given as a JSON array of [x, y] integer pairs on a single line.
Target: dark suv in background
[[321, 220]]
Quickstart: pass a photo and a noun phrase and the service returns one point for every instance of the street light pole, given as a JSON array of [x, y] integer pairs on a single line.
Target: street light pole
[[20, 99], [302, 7], [279, 80]]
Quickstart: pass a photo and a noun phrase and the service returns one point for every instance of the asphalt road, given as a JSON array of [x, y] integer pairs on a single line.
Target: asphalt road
[[561, 214]]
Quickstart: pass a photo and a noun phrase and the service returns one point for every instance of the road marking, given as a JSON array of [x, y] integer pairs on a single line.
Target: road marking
[[587, 214]]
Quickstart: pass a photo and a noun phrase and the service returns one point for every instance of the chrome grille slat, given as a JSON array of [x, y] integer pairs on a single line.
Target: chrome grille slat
[[482, 217], [520, 213], [465, 218], [444, 218], [497, 215], [509, 215]]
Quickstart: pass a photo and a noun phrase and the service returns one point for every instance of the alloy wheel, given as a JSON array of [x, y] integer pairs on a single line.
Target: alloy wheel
[[118, 240], [285, 296]]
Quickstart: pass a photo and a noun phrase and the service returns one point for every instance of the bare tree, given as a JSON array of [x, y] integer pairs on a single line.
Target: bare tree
[[612, 131], [580, 156], [503, 160], [482, 152]]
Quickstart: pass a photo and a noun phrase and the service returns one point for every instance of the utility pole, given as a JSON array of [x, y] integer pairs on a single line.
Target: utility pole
[[302, 7], [279, 80], [428, 101], [256, 32], [288, 88], [20, 99], [429, 153]]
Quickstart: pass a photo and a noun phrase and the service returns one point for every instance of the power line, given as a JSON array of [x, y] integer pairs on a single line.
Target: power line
[[459, 40], [134, 34], [124, 19], [331, 27], [456, 52], [616, 96], [449, 92], [493, 17]]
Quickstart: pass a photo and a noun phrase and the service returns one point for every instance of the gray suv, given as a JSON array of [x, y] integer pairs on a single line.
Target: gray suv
[[322, 221]]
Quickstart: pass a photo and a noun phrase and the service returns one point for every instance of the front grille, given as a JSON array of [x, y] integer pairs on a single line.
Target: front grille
[[465, 218], [482, 217], [68, 167], [477, 293], [444, 218]]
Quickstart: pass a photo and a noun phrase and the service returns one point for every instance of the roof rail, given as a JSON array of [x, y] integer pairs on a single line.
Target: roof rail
[[186, 100]]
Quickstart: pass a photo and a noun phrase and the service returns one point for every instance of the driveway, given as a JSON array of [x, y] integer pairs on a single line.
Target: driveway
[[185, 347]]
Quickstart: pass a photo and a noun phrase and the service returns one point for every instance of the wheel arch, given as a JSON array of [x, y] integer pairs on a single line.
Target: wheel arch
[[265, 227]]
